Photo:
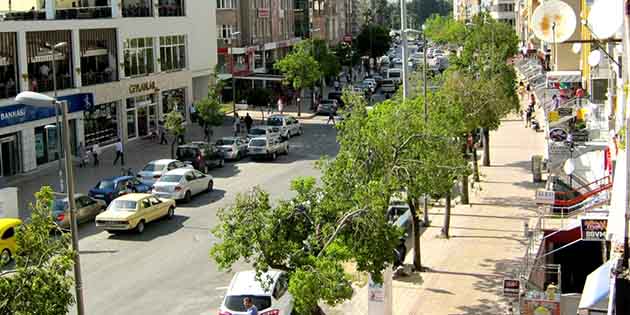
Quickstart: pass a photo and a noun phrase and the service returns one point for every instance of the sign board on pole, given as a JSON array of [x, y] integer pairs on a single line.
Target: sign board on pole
[[511, 287], [546, 197], [380, 295], [594, 229]]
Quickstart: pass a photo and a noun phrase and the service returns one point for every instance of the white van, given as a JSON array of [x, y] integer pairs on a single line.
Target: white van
[[394, 74]]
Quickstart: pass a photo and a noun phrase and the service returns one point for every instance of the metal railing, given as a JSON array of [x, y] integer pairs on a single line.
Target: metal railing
[[100, 12], [22, 15], [584, 192]]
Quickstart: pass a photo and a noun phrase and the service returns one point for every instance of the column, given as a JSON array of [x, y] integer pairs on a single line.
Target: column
[[22, 62], [121, 56], [116, 9], [154, 7], [29, 157], [50, 9], [76, 57]]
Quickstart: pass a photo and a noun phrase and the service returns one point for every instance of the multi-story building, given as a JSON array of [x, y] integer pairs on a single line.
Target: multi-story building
[[120, 65], [501, 10], [332, 20], [253, 34], [464, 10]]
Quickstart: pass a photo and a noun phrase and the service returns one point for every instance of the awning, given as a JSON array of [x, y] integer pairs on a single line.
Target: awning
[[260, 77], [596, 287]]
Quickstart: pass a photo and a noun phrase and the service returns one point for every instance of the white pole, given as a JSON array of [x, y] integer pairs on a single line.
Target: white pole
[[403, 34]]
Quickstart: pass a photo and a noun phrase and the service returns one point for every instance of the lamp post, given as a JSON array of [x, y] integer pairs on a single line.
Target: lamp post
[[41, 100], [234, 35], [403, 34], [54, 48]]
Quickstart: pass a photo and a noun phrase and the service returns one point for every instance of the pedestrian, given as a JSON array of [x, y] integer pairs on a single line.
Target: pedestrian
[[119, 153], [331, 116], [96, 151], [248, 122], [82, 154], [532, 100], [249, 306], [162, 132], [280, 105], [193, 113], [236, 124], [336, 85], [528, 116], [555, 101]]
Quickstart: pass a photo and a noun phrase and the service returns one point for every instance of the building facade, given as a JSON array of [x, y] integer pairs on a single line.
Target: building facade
[[502, 10], [121, 65]]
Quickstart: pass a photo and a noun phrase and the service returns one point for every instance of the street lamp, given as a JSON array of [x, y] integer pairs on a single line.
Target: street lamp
[[403, 34], [54, 48], [234, 36], [41, 100]]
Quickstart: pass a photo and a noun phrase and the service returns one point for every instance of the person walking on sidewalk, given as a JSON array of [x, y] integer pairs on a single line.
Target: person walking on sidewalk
[[96, 151], [331, 117], [248, 122], [82, 155], [162, 132], [119, 153], [236, 125]]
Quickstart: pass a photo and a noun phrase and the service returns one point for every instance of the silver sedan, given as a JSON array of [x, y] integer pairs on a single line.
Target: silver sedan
[[182, 183]]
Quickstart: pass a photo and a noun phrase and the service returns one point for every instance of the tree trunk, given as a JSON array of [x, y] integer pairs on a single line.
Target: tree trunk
[[475, 165], [447, 216], [425, 204], [486, 147], [465, 194], [415, 232]]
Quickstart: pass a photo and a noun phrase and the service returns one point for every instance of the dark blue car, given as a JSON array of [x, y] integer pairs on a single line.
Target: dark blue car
[[110, 188]]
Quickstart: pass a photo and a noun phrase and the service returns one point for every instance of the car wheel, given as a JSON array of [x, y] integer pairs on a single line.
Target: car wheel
[[140, 227], [171, 213], [274, 156], [187, 197], [210, 186], [5, 257]]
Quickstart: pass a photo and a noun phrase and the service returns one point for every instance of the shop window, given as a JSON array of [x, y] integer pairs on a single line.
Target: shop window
[[98, 56], [172, 52], [101, 124], [138, 54], [8, 65]]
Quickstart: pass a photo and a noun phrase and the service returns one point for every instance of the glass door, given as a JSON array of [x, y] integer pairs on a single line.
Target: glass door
[[143, 122], [131, 124], [9, 156]]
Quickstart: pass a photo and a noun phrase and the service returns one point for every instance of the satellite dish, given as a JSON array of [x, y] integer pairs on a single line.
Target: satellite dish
[[606, 18], [576, 48], [554, 21], [569, 167], [594, 58]]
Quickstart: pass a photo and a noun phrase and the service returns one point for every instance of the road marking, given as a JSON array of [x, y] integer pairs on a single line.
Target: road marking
[[221, 288]]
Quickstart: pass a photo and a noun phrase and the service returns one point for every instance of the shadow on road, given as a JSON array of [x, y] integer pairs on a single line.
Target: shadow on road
[[204, 199], [153, 229]]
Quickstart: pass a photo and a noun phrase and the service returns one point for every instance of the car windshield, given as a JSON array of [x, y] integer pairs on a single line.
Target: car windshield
[[171, 178], [225, 141], [154, 167], [275, 121], [59, 205], [258, 131], [105, 184], [394, 74], [122, 205], [258, 143], [235, 302], [186, 153]]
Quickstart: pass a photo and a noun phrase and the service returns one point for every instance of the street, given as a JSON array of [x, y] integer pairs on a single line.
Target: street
[[167, 270]]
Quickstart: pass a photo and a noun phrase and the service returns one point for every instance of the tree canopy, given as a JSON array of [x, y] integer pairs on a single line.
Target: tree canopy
[[299, 67], [373, 41]]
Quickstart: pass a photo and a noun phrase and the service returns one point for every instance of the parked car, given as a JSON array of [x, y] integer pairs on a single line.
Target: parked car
[[264, 131], [233, 148], [370, 82], [87, 209], [110, 188], [395, 74], [201, 155], [326, 107], [133, 211], [272, 298], [151, 172], [289, 126], [183, 183], [388, 86], [265, 147], [7, 239]]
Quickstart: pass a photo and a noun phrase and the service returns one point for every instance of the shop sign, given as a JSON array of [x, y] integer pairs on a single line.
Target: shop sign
[[142, 87], [20, 113], [541, 307], [580, 136], [558, 134], [511, 287], [594, 229], [546, 197], [263, 12], [565, 111]]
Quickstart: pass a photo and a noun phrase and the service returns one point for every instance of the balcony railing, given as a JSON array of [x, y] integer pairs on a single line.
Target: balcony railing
[[137, 11], [92, 78], [84, 13], [171, 10], [46, 85], [23, 15]]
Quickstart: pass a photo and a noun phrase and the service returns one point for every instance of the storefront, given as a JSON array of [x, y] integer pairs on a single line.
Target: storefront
[[141, 115], [29, 136], [101, 124]]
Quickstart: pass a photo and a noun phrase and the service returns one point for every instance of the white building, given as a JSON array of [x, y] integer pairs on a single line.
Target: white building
[[125, 63], [501, 10]]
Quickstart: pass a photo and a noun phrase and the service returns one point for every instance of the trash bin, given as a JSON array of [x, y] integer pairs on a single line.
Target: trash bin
[[537, 168]]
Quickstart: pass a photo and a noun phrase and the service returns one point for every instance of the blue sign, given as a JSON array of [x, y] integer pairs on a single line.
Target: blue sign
[[20, 113]]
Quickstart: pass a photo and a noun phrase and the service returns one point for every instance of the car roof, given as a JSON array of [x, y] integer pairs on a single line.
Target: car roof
[[7, 222], [162, 161], [258, 138], [77, 195], [245, 283], [277, 116], [133, 196], [117, 178], [178, 171]]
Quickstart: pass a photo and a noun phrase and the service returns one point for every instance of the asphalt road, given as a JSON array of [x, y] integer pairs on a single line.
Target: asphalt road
[[167, 270]]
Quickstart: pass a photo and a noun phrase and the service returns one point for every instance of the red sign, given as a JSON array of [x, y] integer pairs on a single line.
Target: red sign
[[263, 12]]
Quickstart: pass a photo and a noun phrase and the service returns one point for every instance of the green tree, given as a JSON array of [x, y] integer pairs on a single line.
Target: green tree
[[260, 98], [346, 54], [175, 125], [209, 111], [421, 10], [373, 41], [40, 282], [444, 29], [330, 65], [300, 69]]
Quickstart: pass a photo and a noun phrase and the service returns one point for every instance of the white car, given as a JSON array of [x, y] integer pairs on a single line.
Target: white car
[[233, 148], [182, 183], [272, 298], [151, 172], [370, 82], [264, 131], [289, 126], [264, 147]]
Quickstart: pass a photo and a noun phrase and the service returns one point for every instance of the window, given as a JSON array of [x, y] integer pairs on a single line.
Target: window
[[226, 4], [8, 233], [190, 177], [225, 31], [138, 56], [172, 52]]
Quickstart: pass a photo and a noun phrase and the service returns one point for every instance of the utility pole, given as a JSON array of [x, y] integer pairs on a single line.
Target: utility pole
[[403, 34]]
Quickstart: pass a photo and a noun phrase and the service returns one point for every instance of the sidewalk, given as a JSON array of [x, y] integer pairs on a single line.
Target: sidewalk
[[466, 272]]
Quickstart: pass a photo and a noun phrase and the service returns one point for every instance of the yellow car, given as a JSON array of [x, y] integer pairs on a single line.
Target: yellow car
[[7, 239], [133, 211]]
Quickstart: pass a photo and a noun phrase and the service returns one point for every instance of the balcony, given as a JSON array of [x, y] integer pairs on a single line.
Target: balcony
[[83, 13], [30, 15], [171, 8], [137, 8], [41, 61]]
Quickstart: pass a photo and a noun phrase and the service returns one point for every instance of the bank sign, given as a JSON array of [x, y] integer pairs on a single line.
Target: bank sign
[[20, 113]]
